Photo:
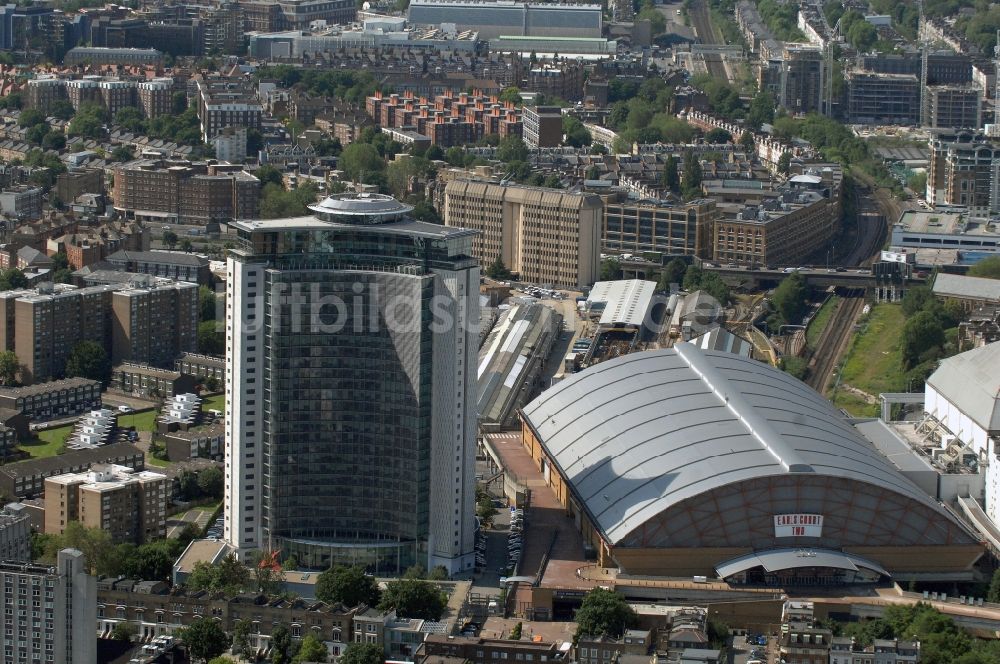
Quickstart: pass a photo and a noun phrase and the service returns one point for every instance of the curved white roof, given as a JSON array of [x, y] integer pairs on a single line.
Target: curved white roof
[[971, 381], [643, 432]]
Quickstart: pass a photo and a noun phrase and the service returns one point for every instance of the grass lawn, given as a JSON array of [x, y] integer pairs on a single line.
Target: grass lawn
[[217, 402], [210, 508], [159, 463], [854, 404], [48, 443], [144, 421], [874, 360], [820, 321]]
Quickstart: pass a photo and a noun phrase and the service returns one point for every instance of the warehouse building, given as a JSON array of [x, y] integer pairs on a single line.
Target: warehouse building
[[492, 19], [685, 462]]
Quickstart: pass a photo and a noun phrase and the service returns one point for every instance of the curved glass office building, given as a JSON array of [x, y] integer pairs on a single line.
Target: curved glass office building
[[351, 431]]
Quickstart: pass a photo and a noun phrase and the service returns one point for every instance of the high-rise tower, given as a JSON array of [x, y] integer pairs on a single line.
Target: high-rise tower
[[350, 430]]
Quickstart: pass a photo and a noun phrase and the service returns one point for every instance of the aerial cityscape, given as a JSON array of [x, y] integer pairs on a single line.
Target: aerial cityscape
[[464, 331]]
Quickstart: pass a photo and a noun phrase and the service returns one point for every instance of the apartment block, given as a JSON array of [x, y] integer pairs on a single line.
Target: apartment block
[[184, 192], [54, 399], [51, 612], [961, 171], [953, 107], [154, 324], [15, 533], [167, 264], [638, 226], [546, 236], [23, 202], [26, 479], [144, 381], [201, 366], [882, 98], [114, 56], [542, 126], [226, 103], [156, 97], [785, 230], [204, 442], [45, 324], [450, 119], [801, 79], [43, 92], [130, 505]]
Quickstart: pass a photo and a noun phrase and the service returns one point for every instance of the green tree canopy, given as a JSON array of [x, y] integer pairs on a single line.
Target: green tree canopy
[[88, 359], [923, 334], [512, 148], [30, 117], [785, 163], [211, 340], [414, 599], [671, 176], [761, 110], [281, 644], [691, 183], [205, 639], [611, 269], [10, 367], [988, 268], [718, 136], [360, 160], [362, 653], [311, 650], [512, 95], [791, 298], [604, 613], [349, 586], [228, 575], [12, 278], [498, 270]]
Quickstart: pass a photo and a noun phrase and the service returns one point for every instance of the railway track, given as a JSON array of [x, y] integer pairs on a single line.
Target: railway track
[[834, 340], [701, 21]]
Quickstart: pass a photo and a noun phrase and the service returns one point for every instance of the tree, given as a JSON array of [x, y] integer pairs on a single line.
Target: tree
[[54, 140], [228, 575], [62, 109], [497, 270], [211, 482], [785, 163], [761, 110], [12, 278], [917, 299], [434, 153], [186, 246], [170, 239], [9, 368], [88, 359], [515, 633], [922, 334], [604, 613], [268, 174], [312, 650], [31, 117], [671, 178], [484, 507], [360, 161], [988, 268], [281, 643], [657, 21], [348, 585], [994, 593], [673, 273], [206, 303], [210, 339], [790, 298], [747, 142], [414, 599], [691, 184], [439, 573], [123, 631], [511, 95], [205, 639], [88, 121], [717, 136], [423, 210], [122, 153], [512, 148], [611, 269], [362, 653], [862, 35], [796, 366]]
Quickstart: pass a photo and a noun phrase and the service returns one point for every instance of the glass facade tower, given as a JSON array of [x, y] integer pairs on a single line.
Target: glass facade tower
[[351, 347]]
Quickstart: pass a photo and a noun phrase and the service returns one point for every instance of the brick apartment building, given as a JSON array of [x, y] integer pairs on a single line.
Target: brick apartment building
[[54, 399], [26, 479], [150, 323], [226, 103], [451, 119], [129, 505], [184, 192]]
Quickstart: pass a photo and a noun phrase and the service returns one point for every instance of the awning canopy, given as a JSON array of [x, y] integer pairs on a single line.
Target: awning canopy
[[775, 560]]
